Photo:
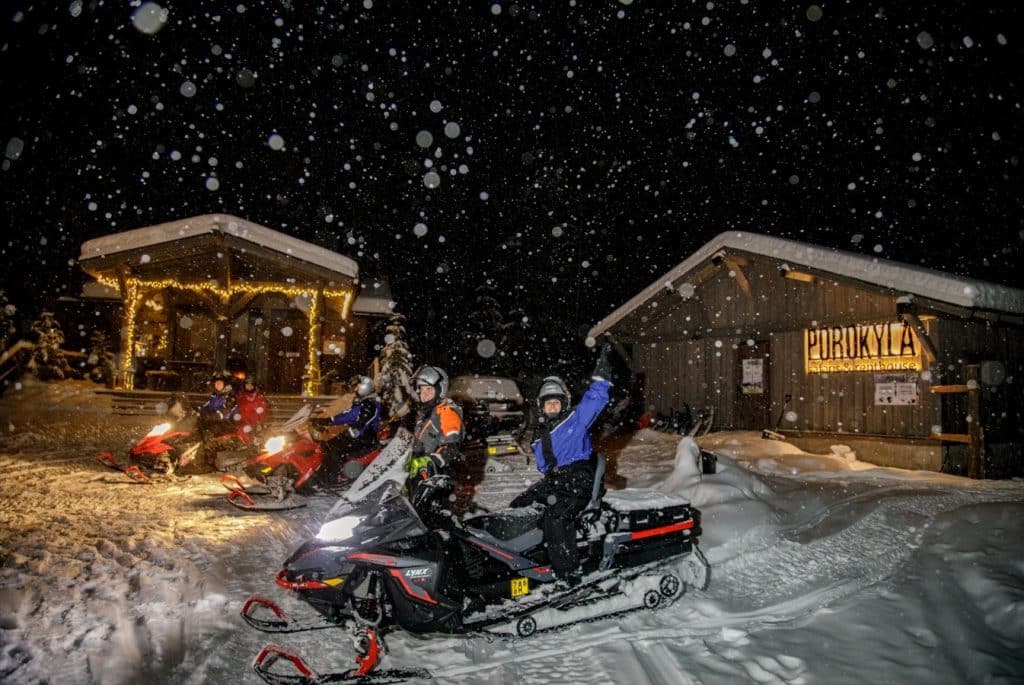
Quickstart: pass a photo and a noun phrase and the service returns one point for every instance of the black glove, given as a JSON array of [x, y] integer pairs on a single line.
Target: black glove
[[603, 369], [431, 489]]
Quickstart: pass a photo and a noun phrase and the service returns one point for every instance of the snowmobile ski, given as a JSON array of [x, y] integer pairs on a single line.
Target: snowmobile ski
[[265, 615], [133, 471], [260, 497], [370, 649]]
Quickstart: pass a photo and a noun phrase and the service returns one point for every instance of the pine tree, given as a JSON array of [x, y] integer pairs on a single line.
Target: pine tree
[[395, 365], [101, 358], [48, 359]]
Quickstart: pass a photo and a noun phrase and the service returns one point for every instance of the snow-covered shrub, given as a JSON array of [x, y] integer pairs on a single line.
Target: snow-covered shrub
[[48, 361]]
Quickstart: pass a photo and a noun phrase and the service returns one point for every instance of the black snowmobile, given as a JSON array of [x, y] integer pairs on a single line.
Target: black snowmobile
[[384, 565]]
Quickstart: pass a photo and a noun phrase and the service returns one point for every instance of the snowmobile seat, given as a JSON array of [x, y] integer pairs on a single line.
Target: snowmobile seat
[[516, 529]]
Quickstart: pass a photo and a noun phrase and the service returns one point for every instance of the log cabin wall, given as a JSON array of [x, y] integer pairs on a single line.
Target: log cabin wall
[[690, 353]]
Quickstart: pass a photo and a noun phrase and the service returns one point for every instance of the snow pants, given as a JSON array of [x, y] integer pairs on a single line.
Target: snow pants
[[564, 495]]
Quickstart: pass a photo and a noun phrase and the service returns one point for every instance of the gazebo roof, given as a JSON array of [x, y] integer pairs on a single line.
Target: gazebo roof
[[217, 247]]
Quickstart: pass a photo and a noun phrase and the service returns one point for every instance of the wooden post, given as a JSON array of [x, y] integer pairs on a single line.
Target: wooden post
[[975, 443], [316, 335]]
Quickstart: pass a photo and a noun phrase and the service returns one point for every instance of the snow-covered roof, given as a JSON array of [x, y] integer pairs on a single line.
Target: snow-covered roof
[[218, 223], [902, 278], [374, 299]]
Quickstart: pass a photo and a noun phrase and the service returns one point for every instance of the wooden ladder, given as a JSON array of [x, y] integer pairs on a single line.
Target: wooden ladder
[[974, 438]]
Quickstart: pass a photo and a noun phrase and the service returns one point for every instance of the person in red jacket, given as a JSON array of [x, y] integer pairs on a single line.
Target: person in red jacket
[[252, 410]]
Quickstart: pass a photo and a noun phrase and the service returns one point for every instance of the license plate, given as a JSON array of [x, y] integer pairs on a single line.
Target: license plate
[[501, 449], [520, 587]]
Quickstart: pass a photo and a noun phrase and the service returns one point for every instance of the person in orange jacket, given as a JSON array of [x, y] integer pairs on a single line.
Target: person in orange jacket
[[437, 438]]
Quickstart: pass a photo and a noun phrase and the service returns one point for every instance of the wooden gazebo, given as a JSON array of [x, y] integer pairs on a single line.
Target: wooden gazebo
[[216, 292]]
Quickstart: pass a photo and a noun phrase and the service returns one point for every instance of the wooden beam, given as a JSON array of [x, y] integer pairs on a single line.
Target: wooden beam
[[951, 437], [240, 303], [733, 262], [948, 389], [908, 312]]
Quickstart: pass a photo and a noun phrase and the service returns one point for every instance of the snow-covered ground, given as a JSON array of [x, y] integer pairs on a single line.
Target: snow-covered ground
[[825, 570]]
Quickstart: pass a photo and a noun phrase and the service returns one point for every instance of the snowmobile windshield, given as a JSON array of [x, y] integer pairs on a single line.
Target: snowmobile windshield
[[384, 515]]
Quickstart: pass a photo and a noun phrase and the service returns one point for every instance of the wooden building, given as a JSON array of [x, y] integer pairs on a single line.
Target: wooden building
[[908, 366], [217, 292]]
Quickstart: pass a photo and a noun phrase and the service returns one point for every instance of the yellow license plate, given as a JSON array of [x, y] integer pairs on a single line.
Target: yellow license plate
[[520, 587]]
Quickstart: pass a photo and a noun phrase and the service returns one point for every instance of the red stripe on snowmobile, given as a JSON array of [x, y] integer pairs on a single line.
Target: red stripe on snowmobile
[[412, 590], [682, 525], [373, 558], [283, 581], [493, 550]]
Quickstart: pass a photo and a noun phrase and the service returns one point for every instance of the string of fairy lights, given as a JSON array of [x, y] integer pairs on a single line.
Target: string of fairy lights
[[135, 290]]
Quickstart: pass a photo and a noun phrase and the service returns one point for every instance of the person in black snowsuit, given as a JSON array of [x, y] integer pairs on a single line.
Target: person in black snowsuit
[[562, 451]]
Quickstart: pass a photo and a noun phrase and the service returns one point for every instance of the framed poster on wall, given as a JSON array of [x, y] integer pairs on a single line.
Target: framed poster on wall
[[897, 389], [753, 377]]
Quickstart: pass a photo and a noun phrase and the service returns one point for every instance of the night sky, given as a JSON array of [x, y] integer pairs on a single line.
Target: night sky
[[555, 157]]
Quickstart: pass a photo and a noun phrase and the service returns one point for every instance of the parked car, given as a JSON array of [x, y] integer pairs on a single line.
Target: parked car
[[493, 411]]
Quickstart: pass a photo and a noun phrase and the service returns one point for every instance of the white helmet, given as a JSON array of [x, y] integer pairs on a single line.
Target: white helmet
[[432, 375], [364, 388], [553, 387]]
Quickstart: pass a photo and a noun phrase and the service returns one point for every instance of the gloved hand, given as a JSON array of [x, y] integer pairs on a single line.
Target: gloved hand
[[431, 488], [603, 369], [425, 466]]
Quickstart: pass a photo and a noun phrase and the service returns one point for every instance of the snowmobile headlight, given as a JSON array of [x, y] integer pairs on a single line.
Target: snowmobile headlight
[[275, 444], [339, 529], [159, 429]]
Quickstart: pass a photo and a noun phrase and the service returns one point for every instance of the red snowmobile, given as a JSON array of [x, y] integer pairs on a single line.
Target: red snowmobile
[[291, 467], [185, 442], [381, 563]]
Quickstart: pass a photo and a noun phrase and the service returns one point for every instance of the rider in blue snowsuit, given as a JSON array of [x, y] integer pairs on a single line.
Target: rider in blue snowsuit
[[562, 451], [363, 419]]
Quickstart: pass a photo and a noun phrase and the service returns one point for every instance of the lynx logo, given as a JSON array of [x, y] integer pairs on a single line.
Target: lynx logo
[[417, 573]]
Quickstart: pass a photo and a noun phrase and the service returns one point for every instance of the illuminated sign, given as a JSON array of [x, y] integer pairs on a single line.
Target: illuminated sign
[[864, 347]]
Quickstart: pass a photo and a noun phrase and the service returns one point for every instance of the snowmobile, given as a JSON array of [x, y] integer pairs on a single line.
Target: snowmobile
[[186, 443], [291, 467], [382, 564]]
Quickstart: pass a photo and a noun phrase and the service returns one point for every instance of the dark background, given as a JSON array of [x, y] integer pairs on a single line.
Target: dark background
[[604, 142]]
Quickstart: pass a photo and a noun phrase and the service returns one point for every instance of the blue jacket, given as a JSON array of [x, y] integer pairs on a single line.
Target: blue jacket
[[363, 417], [570, 439]]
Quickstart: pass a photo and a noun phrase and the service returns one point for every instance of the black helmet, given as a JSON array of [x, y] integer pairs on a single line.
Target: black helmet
[[250, 380], [432, 375], [553, 387]]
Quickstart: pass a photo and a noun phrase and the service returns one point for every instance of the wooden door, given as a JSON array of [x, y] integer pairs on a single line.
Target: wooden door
[[753, 393], [288, 348]]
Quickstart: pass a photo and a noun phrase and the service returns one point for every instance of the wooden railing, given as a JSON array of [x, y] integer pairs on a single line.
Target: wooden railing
[[145, 402]]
